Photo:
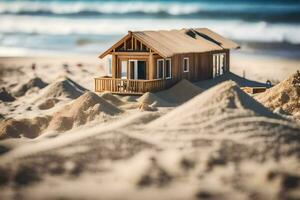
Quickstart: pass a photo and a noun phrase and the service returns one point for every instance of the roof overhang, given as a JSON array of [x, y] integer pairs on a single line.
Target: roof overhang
[[126, 37], [108, 51]]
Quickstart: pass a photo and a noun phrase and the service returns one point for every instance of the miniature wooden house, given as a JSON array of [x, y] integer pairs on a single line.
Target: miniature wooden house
[[149, 61]]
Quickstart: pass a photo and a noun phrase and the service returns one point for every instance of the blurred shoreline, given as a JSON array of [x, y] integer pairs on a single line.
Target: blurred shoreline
[[248, 49], [39, 28]]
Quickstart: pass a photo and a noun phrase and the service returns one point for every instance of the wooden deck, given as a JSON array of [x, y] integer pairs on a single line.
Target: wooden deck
[[128, 86], [254, 90]]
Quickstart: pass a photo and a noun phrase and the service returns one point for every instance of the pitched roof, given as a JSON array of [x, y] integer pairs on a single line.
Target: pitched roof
[[170, 42]]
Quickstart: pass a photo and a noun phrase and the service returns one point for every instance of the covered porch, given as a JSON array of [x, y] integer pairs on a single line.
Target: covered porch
[[128, 86], [131, 73]]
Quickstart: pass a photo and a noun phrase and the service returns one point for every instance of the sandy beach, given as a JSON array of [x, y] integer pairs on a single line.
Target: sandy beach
[[222, 120], [263, 67], [193, 141]]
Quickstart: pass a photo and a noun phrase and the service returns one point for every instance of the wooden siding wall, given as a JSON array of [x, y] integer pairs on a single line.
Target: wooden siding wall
[[200, 66], [155, 58]]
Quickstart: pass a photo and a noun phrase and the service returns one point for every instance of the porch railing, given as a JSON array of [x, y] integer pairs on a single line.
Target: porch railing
[[128, 86]]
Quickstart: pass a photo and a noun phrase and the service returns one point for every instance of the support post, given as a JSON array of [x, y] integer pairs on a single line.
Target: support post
[[151, 67], [114, 66]]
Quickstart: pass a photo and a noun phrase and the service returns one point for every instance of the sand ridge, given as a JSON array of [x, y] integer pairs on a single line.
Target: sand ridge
[[81, 111], [223, 96], [152, 99], [33, 83], [113, 99], [192, 144], [30, 128], [63, 87], [226, 111], [180, 92], [284, 97]]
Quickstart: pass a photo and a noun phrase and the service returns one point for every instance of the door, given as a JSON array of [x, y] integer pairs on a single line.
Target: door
[[124, 69], [222, 64], [215, 65], [141, 70], [138, 69], [219, 64], [132, 68]]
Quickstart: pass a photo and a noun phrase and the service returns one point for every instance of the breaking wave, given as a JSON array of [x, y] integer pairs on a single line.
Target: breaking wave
[[146, 9], [235, 29], [62, 25]]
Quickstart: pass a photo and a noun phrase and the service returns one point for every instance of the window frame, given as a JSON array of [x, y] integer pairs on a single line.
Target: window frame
[[109, 66], [124, 77], [188, 64], [163, 66], [217, 62], [170, 60]]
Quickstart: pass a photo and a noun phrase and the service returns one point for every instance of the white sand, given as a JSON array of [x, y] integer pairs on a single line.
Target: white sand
[[188, 142], [284, 97], [180, 93], [263, 68]]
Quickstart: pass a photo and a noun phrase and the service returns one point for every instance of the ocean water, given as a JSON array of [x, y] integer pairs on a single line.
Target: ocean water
[[90, 26]]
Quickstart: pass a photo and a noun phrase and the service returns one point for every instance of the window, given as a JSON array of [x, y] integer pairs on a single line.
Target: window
[[168, 68], [160, 68], [186, 64], [219, 64], [124, 69], [109, 66]]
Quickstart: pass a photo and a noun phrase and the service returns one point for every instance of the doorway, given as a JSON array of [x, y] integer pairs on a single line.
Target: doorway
[[219, 64], [138, 69], [141, 70]]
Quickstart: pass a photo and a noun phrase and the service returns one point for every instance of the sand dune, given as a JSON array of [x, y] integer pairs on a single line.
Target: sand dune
[[31, 84], [48, 103], [113, 99], [63, 87], [213, 102], [226, 111], [284, 97], [224, 96], [152, 99], [81, 111], [34, 97], [30, 128], [194, 144], [179, 93]]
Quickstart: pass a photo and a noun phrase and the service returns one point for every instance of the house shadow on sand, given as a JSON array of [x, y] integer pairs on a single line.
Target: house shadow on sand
[[241, 82], [185, 90]]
